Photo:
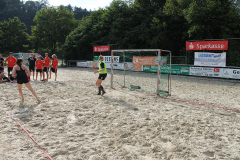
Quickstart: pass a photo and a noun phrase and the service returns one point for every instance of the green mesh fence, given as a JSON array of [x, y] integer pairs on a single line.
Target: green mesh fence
[[141, 78]]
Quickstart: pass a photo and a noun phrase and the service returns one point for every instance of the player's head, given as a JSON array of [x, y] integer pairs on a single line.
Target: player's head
[[39, 57], [10, 54], [100, 58], [32, 55], [54, 56], [46, 55], [19, 61]]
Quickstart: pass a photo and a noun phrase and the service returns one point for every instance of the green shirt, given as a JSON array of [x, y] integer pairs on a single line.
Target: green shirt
[[105, 68]]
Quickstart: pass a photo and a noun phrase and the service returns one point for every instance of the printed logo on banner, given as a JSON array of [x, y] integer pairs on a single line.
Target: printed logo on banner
[[191, 46], [207, 45], [108, 59], [236, 72], [184, 70], [225, 72], [216, 69]]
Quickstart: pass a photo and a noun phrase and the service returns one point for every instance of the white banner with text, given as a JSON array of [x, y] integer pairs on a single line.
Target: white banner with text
[[210, 59]]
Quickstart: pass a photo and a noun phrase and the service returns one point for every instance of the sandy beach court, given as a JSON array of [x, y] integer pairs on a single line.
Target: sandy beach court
[[72, 123]]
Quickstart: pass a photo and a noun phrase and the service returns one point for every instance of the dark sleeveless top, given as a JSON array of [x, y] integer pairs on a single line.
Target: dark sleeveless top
[[21, 76], [21, 72]]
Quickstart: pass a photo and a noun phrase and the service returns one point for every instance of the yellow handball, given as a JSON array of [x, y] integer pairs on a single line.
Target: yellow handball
[[123, 86]]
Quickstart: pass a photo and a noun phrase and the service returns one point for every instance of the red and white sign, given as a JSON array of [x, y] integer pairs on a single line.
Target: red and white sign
[[101, 48], [207, 45]]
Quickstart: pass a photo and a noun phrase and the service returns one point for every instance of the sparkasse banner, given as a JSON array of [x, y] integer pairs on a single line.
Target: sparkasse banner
[[207, 45], [210, 59], [101, 48]]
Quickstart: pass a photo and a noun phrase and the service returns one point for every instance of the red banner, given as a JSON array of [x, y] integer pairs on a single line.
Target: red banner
[[101, 48], [207, 45]]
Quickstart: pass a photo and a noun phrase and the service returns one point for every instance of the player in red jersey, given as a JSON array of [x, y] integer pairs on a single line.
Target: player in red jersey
[[11, 62], [39, 64], [54, 66], [46, 66]]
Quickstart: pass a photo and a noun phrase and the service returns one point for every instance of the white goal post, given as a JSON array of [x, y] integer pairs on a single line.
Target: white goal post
[[159, 53]]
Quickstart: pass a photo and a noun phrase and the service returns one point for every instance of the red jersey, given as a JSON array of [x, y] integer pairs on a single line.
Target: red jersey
[[55, 62], [47, 61], [11, 61], [39, 64]]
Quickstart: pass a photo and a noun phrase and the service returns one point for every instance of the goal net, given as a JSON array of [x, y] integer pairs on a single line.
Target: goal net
[[146, 70]]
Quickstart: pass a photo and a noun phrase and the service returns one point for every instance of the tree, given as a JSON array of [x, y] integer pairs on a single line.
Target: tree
[[13, 36], [53, 26], [212, 19]]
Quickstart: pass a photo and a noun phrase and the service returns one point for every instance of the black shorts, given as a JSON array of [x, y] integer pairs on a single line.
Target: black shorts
[[54, 70], [39, 70], [45, 69], [5, 78], [31, 68], [102, 76], [10, 69], [11, 77], [22, 79]]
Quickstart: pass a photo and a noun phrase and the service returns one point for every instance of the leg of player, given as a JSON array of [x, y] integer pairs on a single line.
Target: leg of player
[[56, 76], [31, 89], [2, 79], [33, 74], [20, 91], [8, 72], [47, 76], [43, 75], [50, 73], [55, 70], [37, 76], [98, 83]]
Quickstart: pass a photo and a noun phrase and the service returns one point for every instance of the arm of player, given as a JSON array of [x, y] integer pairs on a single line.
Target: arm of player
[[14, 72], [26, 69], [97, 71]]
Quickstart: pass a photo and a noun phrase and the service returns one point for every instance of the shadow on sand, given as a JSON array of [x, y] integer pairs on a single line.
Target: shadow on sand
[[122, 103], [23, 114]]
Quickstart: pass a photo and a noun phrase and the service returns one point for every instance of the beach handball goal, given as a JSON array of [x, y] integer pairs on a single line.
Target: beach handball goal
[[145, 70]]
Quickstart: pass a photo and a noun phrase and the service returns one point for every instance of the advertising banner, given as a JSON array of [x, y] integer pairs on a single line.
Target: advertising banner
[[210, 59], [146, 60], [183, 70], [101, 48], [82, 64], [137, 67], [95, 64], [207, 45], [208, 72], [119, 66], [231, 73], [107, 59], [89, 64], [129, 66]]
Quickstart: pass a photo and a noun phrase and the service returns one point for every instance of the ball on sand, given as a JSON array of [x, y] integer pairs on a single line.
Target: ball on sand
[[123, 86]]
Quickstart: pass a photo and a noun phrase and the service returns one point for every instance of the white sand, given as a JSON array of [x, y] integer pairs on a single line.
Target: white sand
[[73, 123]]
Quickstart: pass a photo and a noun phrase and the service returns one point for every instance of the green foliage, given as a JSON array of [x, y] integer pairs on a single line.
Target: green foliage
[[13, 36], [212, 19], [53, 26], [165, 24]]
